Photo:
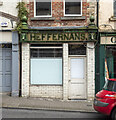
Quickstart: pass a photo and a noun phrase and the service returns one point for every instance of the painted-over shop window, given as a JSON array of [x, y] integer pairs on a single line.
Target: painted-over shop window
[[46, 65], [72, 7], [114, 8], [42, 8]]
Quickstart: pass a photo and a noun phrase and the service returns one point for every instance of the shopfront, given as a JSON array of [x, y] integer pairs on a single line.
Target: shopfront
[[106, 59], [58, 63]]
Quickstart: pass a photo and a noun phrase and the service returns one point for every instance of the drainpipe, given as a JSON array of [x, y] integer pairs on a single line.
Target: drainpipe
[[97, 13], [20, 44], [20, 56]]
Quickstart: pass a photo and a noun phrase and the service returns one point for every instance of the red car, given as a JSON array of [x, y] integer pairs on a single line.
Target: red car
[[105, 100]]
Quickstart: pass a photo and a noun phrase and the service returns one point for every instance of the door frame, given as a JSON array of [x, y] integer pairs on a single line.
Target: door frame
[[85, 75]]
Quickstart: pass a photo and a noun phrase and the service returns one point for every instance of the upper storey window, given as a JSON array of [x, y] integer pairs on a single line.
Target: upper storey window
[[114, 8], [72, 7], [43, 8]]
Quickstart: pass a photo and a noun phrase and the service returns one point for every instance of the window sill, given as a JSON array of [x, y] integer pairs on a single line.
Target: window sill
[[73, 18], [42, 18], [112, 18]]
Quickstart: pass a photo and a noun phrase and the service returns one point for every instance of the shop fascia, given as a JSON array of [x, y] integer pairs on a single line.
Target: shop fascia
[[58, 35], [108, 38]]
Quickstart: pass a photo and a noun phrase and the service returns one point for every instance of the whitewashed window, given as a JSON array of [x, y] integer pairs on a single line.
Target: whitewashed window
[[114, 8], [46, 65], [72, 7], [42, 8]]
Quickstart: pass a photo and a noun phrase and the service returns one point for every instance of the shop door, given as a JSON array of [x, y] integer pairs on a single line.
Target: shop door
[[5, 69], [77, 75]]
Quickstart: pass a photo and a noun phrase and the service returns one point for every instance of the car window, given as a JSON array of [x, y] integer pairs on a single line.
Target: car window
[[110, 85]]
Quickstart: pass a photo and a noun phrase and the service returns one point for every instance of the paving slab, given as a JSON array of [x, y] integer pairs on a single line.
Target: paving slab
[[47, 104]]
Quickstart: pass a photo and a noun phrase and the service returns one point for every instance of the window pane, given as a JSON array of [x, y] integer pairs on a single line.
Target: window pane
[[77, 50], [72, 7], [43, 8], [77, 68], [46, 71], [40, 53]]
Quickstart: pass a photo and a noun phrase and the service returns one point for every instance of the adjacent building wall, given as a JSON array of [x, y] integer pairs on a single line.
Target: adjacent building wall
[[106, 13], [8, 13]]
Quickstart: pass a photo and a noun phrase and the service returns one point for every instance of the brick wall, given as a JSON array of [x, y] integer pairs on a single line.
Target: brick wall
[[91, 9], [57, 14], [46, 91]]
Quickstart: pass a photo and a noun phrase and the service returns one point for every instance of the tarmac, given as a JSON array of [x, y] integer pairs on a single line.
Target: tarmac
[[47, 104]]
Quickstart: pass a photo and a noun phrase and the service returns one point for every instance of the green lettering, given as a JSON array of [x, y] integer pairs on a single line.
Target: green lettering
[[71, 36], [60, 36], [32, 36], [43, 36], [83, 36], [48, 36], [77, 36], [54, 37], [66, 36], [38, 37]]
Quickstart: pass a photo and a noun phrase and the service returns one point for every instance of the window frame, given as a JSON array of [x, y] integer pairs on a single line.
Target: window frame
[[41, 15], [43, 47], [73, 14]]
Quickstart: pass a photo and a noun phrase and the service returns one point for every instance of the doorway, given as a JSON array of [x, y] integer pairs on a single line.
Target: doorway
[[77, 78]]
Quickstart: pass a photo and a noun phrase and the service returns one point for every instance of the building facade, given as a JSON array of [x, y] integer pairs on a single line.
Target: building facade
[[58, 50], [106, 51], [8, 19]]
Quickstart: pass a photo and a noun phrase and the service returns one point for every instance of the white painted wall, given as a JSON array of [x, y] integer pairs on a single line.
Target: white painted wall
[[5, 37], [9, 7], [60, 92], [106, 11]]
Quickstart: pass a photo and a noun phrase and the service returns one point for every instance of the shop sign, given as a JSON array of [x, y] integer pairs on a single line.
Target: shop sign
[[4, 24], [113, 39], [108, 40], [61, 36]]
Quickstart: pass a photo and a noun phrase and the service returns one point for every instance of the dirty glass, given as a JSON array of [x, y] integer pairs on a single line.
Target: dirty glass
[[72, 7], [43, 8]]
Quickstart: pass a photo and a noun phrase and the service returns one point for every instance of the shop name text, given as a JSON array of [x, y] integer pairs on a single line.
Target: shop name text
[[57, 36]]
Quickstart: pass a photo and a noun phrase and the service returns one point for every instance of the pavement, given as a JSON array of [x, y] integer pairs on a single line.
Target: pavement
[[47, 104]]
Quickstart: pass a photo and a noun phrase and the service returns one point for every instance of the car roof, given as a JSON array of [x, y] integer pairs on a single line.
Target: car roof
[[112, 79]]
